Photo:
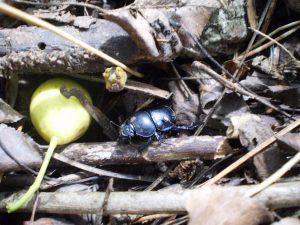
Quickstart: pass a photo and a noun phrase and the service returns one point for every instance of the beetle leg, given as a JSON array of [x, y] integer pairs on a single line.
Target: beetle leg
[[145, 145], [158, 137]]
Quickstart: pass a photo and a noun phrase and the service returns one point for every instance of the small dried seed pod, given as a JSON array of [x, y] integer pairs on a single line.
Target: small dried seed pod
[[115, 79]]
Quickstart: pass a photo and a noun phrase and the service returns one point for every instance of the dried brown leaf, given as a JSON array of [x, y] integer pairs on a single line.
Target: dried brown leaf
[[213, 205]]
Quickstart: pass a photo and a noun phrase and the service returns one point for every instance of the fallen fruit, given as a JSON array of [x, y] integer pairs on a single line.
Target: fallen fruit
[[59, 120]]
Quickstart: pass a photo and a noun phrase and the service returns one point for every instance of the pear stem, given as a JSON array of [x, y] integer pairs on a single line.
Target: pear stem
[[13, 206]]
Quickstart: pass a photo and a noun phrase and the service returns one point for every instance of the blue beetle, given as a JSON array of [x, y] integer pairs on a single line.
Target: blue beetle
[[150, 123]]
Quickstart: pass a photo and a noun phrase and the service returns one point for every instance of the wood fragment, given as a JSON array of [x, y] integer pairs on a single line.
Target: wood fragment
[[19, 14], [204, 147], [134, 86], [282, 195]]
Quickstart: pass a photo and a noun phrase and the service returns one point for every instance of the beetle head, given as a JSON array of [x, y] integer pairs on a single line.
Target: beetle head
[[126, 131]]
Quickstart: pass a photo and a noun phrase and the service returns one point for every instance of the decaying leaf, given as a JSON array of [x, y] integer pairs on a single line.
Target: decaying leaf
[[20, 146], [213, 205], [210, 89], [186, 110], [289, 141], [252, 130], [162, 28], [288, 95], [8, 114]]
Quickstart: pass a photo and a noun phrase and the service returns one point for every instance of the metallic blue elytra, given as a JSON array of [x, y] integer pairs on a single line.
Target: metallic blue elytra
[[151, 122]]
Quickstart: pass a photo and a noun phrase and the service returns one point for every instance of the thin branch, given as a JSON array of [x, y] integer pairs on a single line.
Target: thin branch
[[99, 172], [268, 44], [284, 27], [237, 88], [87, 5], [268, 16], [184, 85], [274, 41], [282, 195]]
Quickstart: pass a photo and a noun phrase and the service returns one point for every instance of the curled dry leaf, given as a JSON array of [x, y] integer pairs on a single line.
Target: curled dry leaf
[[213, 205]]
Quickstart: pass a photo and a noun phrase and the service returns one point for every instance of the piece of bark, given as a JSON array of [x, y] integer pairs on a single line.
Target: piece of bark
[[35, 50], [284, 195], [203, 147]]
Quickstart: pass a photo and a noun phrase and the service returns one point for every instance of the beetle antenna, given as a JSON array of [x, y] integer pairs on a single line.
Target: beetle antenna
[[113, 123]]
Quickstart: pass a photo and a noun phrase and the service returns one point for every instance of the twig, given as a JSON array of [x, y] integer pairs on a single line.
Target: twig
[[20, 164], [133, 86], [287, 26], [35, 205], [19, 14], [268, 17], [236, 87], [204, 147], [252, 153], [96, 113], [184, 85], [274, 177], [151, 217], [276, 42], [281, 195], [87, 5], [105, 201], [161, 177], [100, 172], [268, 44], [244, 56]]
